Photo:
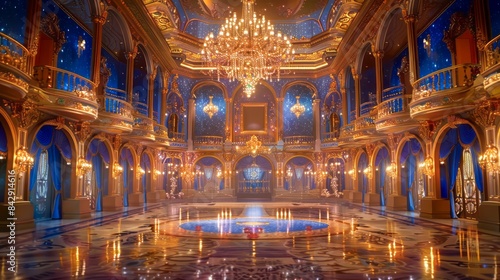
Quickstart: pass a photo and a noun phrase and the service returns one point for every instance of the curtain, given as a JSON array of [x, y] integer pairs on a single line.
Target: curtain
[[411, 165], [34, 170], [382, 182], [478, 171], [124, 164], [453, 164], [96, 165], [55, 173]]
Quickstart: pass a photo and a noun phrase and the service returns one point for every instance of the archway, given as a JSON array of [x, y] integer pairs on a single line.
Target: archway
[[96, 181], [254, 179], [413, 183], [50, 178], [127, 163], [299, 175]]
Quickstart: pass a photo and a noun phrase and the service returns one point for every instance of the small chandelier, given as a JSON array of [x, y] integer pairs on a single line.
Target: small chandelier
[[298, 109], [489, 160], [391, 170], [210, 109], [82, 167], [427, 166], [253, 147], [247, 49], [24, 160]]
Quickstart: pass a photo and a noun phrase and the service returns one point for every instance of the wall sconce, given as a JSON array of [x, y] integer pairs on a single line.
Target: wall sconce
[[427, 166], [82, 167], [139, 171], [368, 172], [391, 170], [156, 174], [23, 160], [352, 173], [427, 44], [3, 155], [81, 45], [117, 169], [489, 159]]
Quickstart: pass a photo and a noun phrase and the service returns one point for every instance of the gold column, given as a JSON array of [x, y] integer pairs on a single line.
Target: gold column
[[151, 87], [99, 21], [412, 45], [32, 32], [357, 90], [190, 122], [379, 74], [130, 74]]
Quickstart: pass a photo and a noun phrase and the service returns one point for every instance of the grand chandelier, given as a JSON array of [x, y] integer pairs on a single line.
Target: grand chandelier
[[247, 49], [297, 108], [210, 109]]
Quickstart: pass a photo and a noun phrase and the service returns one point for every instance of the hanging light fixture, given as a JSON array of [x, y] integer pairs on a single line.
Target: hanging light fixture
[[427, 166], [210, 109], [298, 109], [489, 159], [82, 167], [247, 49], [368, 172], [24, 161]]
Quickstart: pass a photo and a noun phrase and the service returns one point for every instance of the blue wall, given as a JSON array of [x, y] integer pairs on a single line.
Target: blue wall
[[13, 22], [216, 125], [303, 125], [118, 69]]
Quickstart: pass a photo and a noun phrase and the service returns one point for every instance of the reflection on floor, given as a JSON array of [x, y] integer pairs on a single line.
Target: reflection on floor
[[359, 243]]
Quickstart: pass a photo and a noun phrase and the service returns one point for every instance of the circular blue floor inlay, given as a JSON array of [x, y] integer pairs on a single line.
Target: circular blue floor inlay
[[244, 225]]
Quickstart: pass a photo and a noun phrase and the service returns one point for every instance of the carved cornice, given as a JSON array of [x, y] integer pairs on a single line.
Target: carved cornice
[[427, 129], [26, 112], [117, 142], [486, 113], [82, 130], [393, 141]]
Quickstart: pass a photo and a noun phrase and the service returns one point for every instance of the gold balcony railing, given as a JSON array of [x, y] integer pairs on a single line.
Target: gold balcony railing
[[298, 140], [456, 76], [492, 51], [52, 77], [177, 136], [117, 106], [364, 122], [13, 53], [241, 140], [347, 130], [208, 140], [329, 136], [394, 105]]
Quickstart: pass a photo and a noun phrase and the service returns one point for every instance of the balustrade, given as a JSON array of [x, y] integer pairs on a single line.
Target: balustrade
[[209, 140], [52, 77], [462, 75], [13, 53]]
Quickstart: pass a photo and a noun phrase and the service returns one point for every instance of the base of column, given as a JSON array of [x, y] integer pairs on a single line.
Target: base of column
[[112, 203], [136, 199], [76, 208], [489, 216], [433, 208], [353, 196], [23, 213], [397, 203], [155, 196], [372, 199]]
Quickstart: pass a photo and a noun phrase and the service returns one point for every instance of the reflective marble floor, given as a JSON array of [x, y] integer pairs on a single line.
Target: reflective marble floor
[[359, 243]]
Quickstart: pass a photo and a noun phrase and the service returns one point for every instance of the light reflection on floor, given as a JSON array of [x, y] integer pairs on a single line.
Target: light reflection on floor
[[359, 243]]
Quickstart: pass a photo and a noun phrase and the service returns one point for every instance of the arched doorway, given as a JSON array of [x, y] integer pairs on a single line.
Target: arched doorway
[[254, 179], [382, 160], [209, 177], [96, 181], [146, 179], [362, 176], [461, 177], [413, 183], [50, 177], [127, 163]]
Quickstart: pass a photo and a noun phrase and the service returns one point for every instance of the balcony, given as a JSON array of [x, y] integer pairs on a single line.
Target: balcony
[[14, 76], [393, 114], [115, 113], [66, 94], [329, 140], [210, 143], [177, 140], [346, 135], [298, 143], [161, 136], [444, 92], [143, 129], [491, 72]]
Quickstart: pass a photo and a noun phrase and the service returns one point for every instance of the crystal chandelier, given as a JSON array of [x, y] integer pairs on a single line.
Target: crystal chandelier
[[210, 109], [297, 108], [247, 49], [489, 160]]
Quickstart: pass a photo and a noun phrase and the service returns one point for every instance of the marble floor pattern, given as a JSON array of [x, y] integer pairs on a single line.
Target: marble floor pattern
[[359, 243]]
